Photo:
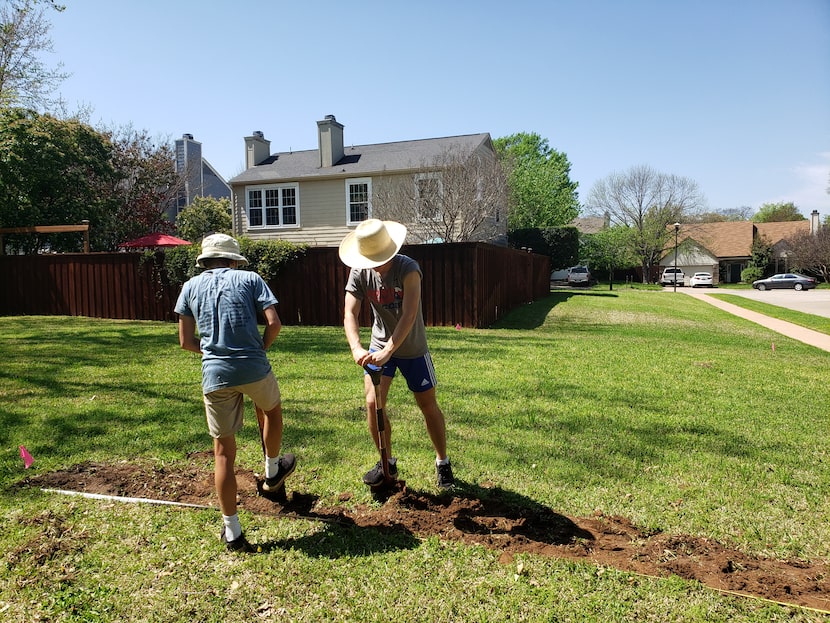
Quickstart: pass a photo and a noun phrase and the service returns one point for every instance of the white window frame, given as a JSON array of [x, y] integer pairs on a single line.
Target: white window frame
[[354, 181], [439, 209], [262, 190]]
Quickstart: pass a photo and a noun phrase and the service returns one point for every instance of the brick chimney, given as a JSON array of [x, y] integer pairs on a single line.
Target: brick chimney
[[814, 222], [330, 141], [257, 149]]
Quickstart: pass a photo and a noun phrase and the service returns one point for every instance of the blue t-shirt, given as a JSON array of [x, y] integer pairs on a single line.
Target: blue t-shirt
[[225, 303]]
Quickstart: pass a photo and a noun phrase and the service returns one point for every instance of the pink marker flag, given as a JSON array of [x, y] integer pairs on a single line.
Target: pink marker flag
[[773, 347], [458, 327], [27, 458]]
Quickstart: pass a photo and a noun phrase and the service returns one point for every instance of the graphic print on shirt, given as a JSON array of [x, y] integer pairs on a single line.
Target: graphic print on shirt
[[388, 298]]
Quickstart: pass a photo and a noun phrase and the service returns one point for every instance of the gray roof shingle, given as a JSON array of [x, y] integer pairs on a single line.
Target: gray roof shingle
[[359, 160]]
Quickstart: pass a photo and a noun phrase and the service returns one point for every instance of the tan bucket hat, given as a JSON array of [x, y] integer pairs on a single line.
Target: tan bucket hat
[[220, 246], [372, 243]]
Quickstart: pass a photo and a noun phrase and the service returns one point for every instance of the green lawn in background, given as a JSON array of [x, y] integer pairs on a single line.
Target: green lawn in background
[[623, 401]]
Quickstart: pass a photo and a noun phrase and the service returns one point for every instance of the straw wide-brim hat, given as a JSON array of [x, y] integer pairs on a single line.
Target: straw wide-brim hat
[[220, 246], [372, 243]]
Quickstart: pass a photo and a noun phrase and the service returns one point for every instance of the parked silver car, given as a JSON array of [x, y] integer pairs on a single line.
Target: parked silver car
[[785, 280], [579, 276]]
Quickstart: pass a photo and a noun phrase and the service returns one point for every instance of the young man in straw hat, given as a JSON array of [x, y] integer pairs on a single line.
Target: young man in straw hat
[[223, 304], [391, 282]]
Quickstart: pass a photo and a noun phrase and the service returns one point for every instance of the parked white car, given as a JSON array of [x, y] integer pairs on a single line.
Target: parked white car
[[701, 280]]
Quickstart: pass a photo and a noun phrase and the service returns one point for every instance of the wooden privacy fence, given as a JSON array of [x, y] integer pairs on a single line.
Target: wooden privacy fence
[[471, 284]]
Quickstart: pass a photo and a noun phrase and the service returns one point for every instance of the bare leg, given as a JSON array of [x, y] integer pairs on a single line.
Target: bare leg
[[434, 419], [272, 430], [224, 451]]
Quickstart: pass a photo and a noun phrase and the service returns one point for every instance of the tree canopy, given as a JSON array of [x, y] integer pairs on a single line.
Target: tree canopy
[[541, 191], [25, 79], [62, 171], [777, 212], [205, 215]]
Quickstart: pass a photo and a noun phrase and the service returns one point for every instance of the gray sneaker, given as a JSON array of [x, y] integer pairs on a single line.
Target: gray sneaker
[[374, 476], [445, 478]]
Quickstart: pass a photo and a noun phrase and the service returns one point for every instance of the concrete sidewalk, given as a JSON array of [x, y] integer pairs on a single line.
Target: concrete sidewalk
[[808, 336]]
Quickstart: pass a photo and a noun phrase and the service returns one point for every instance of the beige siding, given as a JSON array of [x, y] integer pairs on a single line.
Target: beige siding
[[322, 215]]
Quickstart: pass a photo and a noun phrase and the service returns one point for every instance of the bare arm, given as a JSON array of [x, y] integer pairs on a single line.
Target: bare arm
[[187, 335], [272, 326], [351, 325]]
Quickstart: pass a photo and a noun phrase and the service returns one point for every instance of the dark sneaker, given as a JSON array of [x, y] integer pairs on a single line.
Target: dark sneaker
[[286, 465], [239, 544], [374, 476], [445, 478]]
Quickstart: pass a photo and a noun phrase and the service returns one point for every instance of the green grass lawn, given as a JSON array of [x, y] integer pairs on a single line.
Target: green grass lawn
[[652, 406]]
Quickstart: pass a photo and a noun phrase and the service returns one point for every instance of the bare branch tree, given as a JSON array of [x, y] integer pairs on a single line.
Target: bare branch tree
[[453, 198], [647, 201], [810, 251], [25, 80]]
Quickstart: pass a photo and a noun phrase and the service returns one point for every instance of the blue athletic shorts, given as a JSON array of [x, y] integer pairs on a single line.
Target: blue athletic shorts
[[418, 371]]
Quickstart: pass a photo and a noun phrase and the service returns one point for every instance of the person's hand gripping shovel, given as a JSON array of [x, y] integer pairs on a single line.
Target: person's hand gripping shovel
[[389, 484]]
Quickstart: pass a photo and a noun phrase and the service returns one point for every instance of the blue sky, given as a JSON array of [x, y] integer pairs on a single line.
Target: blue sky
[[734, 94]]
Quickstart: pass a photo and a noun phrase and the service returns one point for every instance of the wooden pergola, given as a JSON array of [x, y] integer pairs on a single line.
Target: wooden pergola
[[46, 229]]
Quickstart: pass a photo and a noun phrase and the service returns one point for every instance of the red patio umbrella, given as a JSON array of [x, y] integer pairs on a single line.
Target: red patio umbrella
[[154, 240]]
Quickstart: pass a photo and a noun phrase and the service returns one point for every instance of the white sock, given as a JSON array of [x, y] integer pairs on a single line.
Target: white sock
[[233, 530], [271, 466], [444, 461]]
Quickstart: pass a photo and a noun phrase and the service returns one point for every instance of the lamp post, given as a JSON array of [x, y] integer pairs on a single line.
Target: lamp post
[[676, 231]]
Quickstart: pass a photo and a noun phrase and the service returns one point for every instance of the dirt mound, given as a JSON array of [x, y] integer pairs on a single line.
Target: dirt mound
[[479, 514]]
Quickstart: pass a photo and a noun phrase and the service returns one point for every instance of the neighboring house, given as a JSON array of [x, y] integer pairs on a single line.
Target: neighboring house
[[200, 178], [317, 196], [591, 224], [724, 249]]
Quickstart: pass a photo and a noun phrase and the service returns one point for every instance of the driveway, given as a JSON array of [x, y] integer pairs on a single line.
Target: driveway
[[816, 302]]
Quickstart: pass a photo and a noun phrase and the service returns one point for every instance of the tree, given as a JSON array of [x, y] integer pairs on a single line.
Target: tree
[[541, 191], [205, 215], [744, 213], [25, 80], [561, 244], [62, 171], [51, 173], [453, 198], [611, 248], [648, 202], [810, 252], [761, 257], [144, 187], [778, 212]]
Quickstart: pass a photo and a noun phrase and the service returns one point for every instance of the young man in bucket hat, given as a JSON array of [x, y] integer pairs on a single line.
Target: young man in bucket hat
[[223, 304], [391, 283]]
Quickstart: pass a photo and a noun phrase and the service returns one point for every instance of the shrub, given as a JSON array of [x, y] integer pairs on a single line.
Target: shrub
[[750, 274], [266, 257]]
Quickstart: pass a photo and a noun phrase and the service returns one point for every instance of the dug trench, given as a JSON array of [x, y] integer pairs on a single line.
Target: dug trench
[[484, 515]]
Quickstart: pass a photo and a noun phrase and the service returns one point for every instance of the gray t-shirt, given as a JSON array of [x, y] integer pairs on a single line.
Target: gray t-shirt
[[386, 298], [225, 302]]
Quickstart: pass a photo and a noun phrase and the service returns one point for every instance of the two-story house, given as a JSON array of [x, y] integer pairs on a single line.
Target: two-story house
[[317, 196]]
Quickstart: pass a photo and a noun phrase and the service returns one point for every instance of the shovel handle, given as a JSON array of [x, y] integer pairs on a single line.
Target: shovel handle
[[375, 375]]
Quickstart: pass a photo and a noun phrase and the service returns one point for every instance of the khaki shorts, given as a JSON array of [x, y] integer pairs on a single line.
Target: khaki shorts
[[224, 407]]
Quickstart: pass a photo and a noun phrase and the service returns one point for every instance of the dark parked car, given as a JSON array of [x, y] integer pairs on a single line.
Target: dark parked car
[[785, 280]]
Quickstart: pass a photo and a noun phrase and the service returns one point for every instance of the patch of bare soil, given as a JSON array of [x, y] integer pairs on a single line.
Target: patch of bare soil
[[479, 514]]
